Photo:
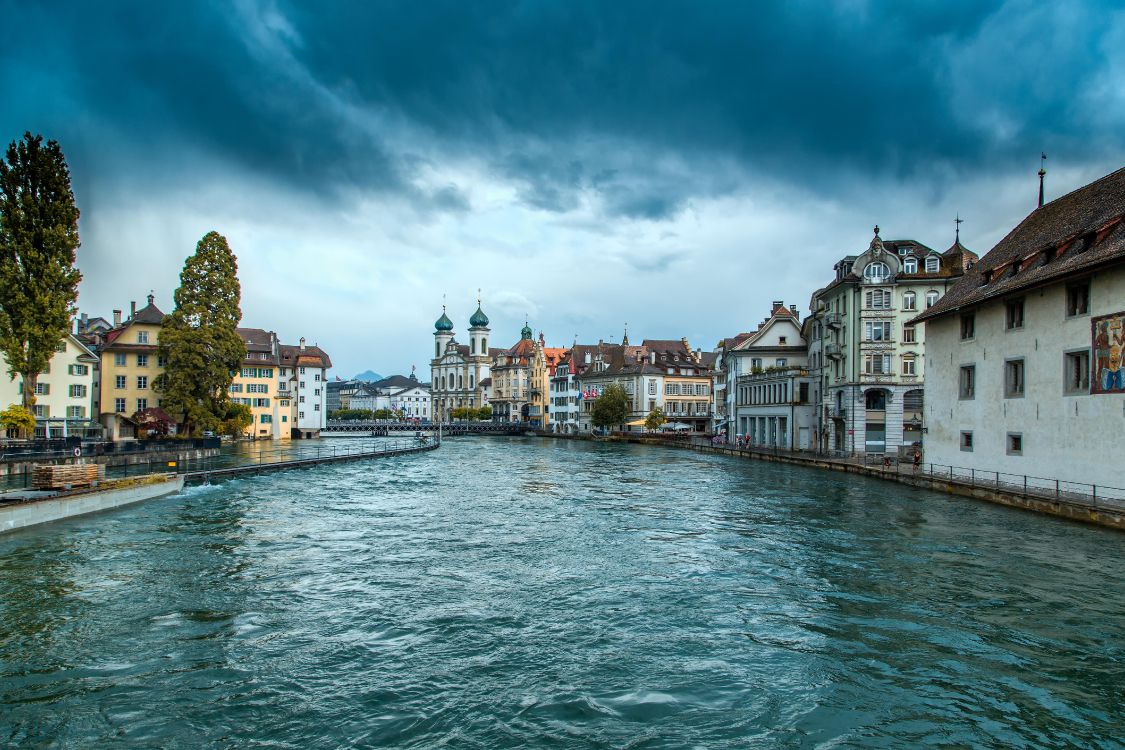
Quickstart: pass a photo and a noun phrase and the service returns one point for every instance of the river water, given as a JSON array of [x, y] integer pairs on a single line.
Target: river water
[[515, 592]]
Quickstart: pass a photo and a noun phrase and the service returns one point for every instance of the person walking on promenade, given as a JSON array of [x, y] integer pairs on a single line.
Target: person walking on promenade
[[917, 460]]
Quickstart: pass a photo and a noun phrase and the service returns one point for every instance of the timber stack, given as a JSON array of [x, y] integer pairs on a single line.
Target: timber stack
[[51, 477]]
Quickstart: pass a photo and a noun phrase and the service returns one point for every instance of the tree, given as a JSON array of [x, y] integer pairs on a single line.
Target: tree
[[484, 414], [154, 421], [198, 341], [17, 418], [610, 408], [655, 419], [38, 244], [236, 420]]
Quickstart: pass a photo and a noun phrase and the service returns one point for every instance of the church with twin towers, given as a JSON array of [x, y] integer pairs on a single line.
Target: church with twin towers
[[460, 373]]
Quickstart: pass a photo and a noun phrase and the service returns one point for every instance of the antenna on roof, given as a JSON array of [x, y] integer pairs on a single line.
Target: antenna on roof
[[478, 296], [957, 232], [1042, 174]]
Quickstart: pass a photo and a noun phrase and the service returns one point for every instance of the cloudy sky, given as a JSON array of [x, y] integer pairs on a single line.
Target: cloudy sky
[[675, 166]]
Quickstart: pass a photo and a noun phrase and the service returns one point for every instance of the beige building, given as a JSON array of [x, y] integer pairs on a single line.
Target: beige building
[[286, 387], [64, 392], [128, 367], [544, 362]]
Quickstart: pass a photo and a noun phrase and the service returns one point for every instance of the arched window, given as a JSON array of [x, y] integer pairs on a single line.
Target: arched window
[[470, 380], [443, 382], [437, 349], [484, 346], [932, 264], [931, 298], [910, 265], [460, 381], [876, 272], [473, 345], [909, 301]]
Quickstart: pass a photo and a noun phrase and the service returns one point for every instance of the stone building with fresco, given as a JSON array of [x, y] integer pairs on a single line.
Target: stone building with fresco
[[1024, 354]]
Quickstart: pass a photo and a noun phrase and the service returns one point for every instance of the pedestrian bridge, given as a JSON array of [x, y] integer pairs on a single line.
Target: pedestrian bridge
[[377, 428]]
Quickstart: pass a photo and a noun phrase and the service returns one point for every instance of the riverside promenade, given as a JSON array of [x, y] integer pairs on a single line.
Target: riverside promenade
[[1095, 504]]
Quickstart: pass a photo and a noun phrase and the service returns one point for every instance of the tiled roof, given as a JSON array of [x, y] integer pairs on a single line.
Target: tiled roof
[[312, 356], [1070, 235], [150, 314], [256, 339], [396, 381]]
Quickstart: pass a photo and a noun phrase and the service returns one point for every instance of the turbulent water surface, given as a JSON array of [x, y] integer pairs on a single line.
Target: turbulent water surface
[[523, 593]]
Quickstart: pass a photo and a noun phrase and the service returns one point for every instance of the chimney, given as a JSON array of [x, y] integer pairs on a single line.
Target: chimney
[[132, 310], [85, 325], [302, 343], [652, 357], [793, 309], [778, 304], [116, 318]]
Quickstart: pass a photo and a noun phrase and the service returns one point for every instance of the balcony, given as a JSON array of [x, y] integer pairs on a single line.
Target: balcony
[[834, 320], [833, 351], [837, 412]]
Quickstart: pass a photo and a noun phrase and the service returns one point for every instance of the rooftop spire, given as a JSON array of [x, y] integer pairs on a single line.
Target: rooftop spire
[[957, 228], [625, 340], [1042, 174]]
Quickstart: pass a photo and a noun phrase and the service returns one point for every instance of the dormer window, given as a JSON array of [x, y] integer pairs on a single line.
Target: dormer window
[[910, 265], [932, 264], [876, 272]]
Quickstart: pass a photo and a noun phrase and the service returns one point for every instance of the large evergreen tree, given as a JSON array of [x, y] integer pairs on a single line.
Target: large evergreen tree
[[198, 341], [38, 244]]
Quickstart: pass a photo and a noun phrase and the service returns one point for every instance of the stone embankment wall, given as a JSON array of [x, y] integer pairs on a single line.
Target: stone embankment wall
[[1073, 510]]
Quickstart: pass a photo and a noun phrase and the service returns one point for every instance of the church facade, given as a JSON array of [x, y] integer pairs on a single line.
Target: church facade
[[460, 373]]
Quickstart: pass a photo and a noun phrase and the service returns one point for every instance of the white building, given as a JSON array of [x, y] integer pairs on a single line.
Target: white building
[[776, 343], [563, 393], [304, 378], [1025, 354], [64, 392], [768, 384], [869, 361]]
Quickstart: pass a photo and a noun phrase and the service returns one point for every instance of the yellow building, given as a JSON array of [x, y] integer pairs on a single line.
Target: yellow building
[[543, 364], [128, 367], [259, 385]]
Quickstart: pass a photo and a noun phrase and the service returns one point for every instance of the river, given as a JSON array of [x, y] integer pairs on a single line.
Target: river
[[518, 592]]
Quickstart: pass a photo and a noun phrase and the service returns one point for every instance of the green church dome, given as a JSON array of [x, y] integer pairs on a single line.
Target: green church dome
[[479, 319], [443, 323], [525, 333]]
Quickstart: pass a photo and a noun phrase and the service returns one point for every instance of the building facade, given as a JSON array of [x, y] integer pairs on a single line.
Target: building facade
[[1026, 373], [511, 380], [64, 392], [459, 372], [303, 387], [774, 347], [128, 367], [869, 352]]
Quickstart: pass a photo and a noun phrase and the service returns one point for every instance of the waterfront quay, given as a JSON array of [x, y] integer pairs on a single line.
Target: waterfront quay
[[563, 594]]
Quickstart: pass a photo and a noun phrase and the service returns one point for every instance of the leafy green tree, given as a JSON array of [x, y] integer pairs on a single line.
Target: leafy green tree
[[198, 340], [382, 414], [17, 418], [38, 244], [484, 413], [655, 419], [610, 408], [237, 419]]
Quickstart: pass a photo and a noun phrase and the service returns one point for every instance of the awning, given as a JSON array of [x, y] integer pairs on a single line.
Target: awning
[[676, 426], [635, 423]]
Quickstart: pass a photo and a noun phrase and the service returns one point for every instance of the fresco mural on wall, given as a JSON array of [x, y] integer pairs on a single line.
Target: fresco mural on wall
[[1108, 371]]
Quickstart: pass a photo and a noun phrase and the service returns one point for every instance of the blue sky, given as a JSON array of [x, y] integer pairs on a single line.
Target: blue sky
[[675, 166]]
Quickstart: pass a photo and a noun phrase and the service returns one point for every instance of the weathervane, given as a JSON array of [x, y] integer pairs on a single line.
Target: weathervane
[[1042, 174]]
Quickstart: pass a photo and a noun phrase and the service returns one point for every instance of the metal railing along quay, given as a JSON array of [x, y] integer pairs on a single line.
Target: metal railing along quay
[[203, 471], [1096, 496]]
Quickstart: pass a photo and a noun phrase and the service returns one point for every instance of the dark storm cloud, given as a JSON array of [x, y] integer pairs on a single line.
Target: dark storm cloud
[[590, 93]]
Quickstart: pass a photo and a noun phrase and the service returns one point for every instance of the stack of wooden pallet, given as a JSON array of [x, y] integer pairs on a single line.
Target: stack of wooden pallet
[[50, 477]]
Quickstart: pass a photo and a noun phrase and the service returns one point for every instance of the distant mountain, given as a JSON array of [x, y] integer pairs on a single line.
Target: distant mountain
[[369, 376]]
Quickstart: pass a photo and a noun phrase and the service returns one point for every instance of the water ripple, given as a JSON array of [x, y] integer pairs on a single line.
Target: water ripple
[[518, 593]]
